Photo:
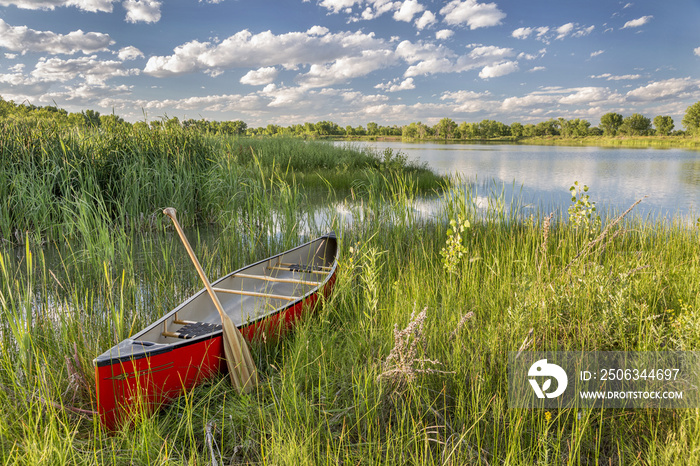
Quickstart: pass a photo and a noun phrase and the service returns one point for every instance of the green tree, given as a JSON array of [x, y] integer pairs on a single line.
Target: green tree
[[610, 123], [517, 130], [92, 118], [372, 128], [664, 125], [445, 128], [636, 125], [547, 128], [691, 120]]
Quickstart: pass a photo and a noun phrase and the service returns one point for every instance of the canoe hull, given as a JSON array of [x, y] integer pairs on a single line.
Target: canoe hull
[[134, 386]]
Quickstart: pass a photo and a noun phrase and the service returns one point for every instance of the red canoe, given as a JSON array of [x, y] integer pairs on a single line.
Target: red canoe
[[184, 347]]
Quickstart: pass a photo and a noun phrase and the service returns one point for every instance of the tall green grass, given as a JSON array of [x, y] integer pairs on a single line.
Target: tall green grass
[[50, 179], [368, 378]]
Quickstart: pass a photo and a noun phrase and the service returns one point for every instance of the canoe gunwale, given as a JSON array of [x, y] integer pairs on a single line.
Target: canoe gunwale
[[154, 349]]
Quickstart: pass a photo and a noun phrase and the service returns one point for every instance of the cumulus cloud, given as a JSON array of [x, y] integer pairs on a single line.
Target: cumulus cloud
[[426, 20], [147, 11], [635, 23], [244, 49], [469, 101], [696, 51], [129, 53], [447, 33], [408, 10], [546, 34], [336, 6], [395, 86], [86, 5], [92, 70], [428, 58], [22, 39], [589, 96], [497, 70], [261, 76], [472, 14], [663, 90], [522, 33], [346, 68]]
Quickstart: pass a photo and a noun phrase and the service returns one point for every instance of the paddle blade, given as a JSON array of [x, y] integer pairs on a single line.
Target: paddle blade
[[235, 341]]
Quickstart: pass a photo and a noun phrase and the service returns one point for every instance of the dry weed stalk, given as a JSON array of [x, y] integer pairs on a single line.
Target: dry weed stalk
[[592, 244], [545, 239], [461, 324], [404, 362]]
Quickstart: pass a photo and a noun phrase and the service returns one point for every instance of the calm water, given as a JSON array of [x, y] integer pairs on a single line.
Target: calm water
[[617, 177]]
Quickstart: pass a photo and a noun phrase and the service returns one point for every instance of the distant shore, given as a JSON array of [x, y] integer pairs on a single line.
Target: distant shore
[[685, 142]]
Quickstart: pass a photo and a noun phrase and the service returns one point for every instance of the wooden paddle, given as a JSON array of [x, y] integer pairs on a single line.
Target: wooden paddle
[[241, 368]]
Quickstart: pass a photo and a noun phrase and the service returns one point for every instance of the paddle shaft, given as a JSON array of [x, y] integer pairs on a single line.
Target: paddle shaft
[[240, 361]]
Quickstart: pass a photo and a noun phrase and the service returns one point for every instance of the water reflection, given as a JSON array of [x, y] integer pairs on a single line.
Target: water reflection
[[617, 177]]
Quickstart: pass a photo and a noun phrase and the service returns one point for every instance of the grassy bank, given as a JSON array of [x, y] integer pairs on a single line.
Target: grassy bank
[[664, 142], [58, 183], [348, 386]]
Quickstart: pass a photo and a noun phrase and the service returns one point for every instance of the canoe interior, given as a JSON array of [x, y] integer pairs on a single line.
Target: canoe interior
[[259, 291], [185, 346]]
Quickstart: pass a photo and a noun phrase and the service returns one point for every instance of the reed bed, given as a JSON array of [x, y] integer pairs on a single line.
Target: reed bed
[[405, 363]]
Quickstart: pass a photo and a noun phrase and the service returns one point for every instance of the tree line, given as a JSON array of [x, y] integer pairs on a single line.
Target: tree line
[[611, 124]]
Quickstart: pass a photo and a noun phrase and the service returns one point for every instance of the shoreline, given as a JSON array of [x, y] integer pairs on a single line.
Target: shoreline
[[680, 142]]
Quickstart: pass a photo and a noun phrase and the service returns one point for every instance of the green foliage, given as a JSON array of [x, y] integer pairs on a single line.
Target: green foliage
[[691, 120], [610, 123], [582, 212], [454, 250], [664, 125], [636, 125]]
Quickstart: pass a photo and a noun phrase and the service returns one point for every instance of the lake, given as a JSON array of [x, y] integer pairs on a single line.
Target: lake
[[617, 177]]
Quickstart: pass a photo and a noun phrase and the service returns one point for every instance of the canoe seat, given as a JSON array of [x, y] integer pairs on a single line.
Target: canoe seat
[[194, 330]]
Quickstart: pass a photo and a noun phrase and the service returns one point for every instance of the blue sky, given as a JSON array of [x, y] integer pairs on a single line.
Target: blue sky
[[353, 61]]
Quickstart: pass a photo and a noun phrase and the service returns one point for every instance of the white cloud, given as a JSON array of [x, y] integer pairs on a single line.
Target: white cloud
[[427, 19], [92, 70], [696, 51], [395, 86], [261, 76], [472, 14], [86, 5], [500, 69], [635, 23], [408, 10], [129, 53], [610, 77], [346, 68], [583, 31], [147, 11], [597, 52], [534, 100], [447, 33], [590, 96], [428, 58], [336, 6], [22, 39], [663, 90], [537, 68], [546, 34], [522, 33], [565, 30], [246, 50], [469, 101]]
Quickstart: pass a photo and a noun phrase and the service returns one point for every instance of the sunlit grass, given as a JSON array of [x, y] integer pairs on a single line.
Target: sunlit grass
[[330, 393]]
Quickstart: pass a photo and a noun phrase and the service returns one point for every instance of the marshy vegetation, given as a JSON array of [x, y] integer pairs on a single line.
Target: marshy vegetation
[[405, 363]]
